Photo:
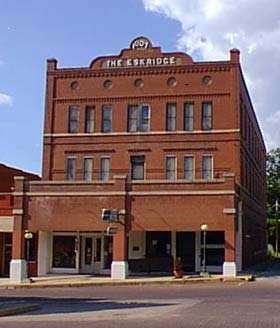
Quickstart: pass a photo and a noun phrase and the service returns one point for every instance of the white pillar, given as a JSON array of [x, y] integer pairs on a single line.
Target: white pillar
[[229, 269], [44, 252], [119, 270], [18, 271]]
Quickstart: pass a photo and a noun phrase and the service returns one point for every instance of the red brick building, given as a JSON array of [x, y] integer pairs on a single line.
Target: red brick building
[[167, 142], [7, 175]]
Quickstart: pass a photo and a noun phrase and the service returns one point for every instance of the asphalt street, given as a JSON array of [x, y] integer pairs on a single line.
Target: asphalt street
[[253, 304]]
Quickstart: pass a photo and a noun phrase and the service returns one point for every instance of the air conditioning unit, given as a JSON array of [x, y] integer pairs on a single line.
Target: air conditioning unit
[[109, 215], [110, 231]]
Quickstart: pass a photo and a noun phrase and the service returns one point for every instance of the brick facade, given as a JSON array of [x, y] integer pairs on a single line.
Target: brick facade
[[232, 201]]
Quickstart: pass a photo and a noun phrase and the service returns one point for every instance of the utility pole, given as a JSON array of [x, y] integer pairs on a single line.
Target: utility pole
[[277, 229]]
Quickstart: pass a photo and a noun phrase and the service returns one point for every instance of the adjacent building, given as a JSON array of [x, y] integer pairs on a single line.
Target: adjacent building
[[7, 175], [168, 144]]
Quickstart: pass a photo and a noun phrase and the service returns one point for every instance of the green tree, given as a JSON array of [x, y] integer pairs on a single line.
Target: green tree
[[273, 191]]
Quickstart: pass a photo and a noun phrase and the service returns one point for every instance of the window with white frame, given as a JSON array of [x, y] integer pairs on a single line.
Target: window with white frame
[[170, 167], [73, 119], [88, 166], [207, 116], [89, 119], [137, 167], [207, 167], [104, 168], [71, 168], [106, 118], [189, 168], [188, 116], [139, 118], [171, 117]]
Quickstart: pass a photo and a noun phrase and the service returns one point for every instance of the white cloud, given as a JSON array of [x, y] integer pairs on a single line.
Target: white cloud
[[211, 27], [5, 100]]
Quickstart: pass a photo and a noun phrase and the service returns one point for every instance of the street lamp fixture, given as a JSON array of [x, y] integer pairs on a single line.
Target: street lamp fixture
[[28, 235], [204, 228]]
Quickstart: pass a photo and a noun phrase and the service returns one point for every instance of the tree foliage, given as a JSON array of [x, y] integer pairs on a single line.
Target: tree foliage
[[273, 189]]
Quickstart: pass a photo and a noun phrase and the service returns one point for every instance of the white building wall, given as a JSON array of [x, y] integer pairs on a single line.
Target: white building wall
[[44, 252], [137, 245]]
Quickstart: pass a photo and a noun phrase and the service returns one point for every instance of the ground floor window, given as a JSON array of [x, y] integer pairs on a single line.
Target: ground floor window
[[158, 244], [64, 255], [215, 248]]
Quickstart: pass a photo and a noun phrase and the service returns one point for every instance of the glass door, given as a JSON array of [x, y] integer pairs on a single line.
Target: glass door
[[87, 250]]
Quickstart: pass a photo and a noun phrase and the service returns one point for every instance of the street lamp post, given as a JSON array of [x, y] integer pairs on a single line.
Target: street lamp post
[[277, 228], [28, 236], [204, 228]]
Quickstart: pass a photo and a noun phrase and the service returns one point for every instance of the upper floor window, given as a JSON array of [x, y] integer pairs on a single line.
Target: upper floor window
[[137, 167], [171, 117], [138, 118], [170, 168], [71, 168], [89, 119], [105, 168], [73, 119], [188, 117], [106, 118], [88, 165], [207, 167], [207, 116], [189, 168]]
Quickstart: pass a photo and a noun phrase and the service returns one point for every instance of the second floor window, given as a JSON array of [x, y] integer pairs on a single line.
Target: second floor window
[[138, 118], [170, 167], [189, 168], [105, 168], [89, 120], [207, 119], [73, 119], [137, 167], [207, 167], [188, 117], [88, 164], [71, 168], [106, 118], [171, 117]]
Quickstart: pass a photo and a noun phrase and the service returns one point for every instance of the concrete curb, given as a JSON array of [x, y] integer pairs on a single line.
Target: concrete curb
[[129, 282], [18, 309]]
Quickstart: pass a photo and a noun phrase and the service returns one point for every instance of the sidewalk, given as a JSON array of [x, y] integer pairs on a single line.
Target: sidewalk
[[52, 281]]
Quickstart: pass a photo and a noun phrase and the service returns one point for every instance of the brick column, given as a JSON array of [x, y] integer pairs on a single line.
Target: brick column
[[18, 265], [119, 267], [229, 266]]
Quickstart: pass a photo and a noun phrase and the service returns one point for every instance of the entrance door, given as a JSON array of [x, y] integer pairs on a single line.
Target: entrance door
[[87, 252], [185, 249]]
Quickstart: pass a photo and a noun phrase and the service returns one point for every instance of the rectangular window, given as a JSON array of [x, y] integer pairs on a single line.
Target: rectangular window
[[64, 255], [73, 119], [138, 118], [105, 168], [189, 168], [171, 117], [170, 169], [89, 120], [106, 118], [207, 116], [207, 167], [215, 248], [188, 117], [71, 168], [137, 167], [158, 244], [88, 165]]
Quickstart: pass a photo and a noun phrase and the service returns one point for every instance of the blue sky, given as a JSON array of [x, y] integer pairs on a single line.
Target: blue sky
[[75, 32], [32, 31]]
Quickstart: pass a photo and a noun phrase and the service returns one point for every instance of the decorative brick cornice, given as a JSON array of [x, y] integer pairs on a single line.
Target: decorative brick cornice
[[88, 73]]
